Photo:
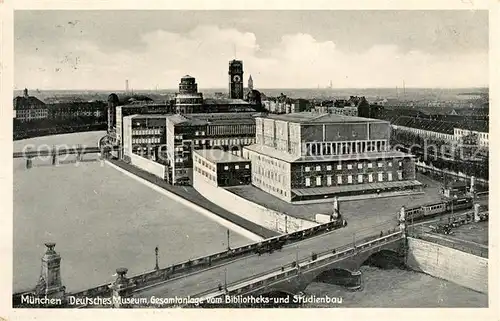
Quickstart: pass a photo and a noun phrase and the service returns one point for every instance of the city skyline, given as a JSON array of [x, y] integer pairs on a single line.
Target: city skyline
[[92, 50]]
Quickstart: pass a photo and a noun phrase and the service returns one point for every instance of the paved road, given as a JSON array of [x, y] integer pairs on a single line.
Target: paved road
[[246, 267]]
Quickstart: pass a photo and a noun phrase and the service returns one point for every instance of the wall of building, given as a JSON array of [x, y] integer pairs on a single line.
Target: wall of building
[[449, 264], [426, 133], [256, 213], [148, 165], [271, 175]]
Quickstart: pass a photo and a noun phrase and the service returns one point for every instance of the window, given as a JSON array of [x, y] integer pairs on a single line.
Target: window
[[329, 180], [236, 166], [400, 163], [318, 180], [370, 165], [308, 181], [380, 177], [339, 179], [318, 168], [360, 165], [349, 179], [370, 178], [400, 175], [389, 164], [380, 165], [360, 178], [329, 167], [339, 167], [349, 166], [226, 168], [389, 176], [308, 169], [247, 166]]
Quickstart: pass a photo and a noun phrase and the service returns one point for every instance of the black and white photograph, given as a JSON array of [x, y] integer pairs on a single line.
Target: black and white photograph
[[214, 159]]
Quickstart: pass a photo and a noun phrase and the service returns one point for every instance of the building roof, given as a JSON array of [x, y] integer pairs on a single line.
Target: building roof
[[326, 118], [215, 118], [290, 158], [424, 124], [150, 116], [30, 102], [225, 101], [216, 155], [353, 187]]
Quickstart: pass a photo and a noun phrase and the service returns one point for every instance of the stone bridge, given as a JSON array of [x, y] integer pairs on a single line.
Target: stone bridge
[[339, 267]]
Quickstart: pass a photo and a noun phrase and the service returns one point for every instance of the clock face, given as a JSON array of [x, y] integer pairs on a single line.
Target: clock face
[[236, 78]]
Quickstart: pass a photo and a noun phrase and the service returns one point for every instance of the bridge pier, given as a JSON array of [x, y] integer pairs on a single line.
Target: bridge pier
[[121, 289], [29, 163]]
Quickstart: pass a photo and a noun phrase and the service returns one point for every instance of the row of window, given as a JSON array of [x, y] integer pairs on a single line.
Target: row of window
[[270, 187], [151, 140], [349, 179], [150, 131], [226, 168], [349, 166], [342, 148], [205, 164], [207, 175]]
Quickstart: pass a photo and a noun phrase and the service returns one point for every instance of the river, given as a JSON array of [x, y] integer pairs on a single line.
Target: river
[[101, 219]]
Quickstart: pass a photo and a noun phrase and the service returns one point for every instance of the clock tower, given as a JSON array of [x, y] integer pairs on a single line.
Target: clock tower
[[236, 79]]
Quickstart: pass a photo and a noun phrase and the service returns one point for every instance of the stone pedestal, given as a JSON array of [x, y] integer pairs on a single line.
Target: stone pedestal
[[121, 289], [50, 283], [476, 213]]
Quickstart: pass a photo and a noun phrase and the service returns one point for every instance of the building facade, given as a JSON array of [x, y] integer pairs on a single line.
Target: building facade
[[236, 79], [482, 136], [28, 108], [145, 135], [188, 100], [309, 156], [186, 133], [220, 168]]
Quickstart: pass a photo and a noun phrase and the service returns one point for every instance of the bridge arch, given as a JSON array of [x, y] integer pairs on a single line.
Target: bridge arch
[[337, 276], [385, 259]]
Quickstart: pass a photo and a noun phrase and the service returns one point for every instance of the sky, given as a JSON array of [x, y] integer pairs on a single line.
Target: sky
[[99, 50]]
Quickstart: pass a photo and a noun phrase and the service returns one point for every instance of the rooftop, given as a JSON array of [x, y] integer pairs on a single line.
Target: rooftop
[[215, 118], [30, 102], [271, 152], [224, 101], [216, 155], [326, 118], [149, 116]]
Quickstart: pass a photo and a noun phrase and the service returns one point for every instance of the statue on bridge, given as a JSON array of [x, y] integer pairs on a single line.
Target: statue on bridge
[[402, 218]]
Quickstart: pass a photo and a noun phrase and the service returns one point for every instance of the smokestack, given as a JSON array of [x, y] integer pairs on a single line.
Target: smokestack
[[126, 85]]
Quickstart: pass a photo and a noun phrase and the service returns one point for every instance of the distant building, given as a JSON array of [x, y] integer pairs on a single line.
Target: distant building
[[73, 110], [221, 169], [186, 133], [236, 79], [309, 156], [28, 108], [188, 100]]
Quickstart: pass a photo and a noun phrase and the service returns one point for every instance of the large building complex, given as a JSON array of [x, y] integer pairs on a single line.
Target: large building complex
[[28, 108], [186, 133], [308, 156]]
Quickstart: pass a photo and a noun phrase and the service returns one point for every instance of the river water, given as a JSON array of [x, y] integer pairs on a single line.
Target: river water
[[101, 219]]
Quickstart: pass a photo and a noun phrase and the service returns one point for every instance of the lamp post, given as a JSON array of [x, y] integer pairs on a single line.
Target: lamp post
[[228, 246], [225, 280], [156, 254]]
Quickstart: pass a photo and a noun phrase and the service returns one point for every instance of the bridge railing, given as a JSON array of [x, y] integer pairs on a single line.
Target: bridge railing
[[196, 264], [255, 281]]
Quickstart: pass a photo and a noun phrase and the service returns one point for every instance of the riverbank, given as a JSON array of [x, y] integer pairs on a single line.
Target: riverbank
[[189, 194]]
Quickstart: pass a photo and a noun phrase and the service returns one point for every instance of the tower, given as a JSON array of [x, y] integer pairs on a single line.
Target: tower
[[126, 86], [25, 93], [50, 283], [236, 79], [250, 83]]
